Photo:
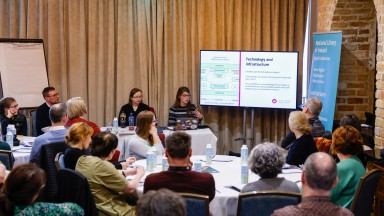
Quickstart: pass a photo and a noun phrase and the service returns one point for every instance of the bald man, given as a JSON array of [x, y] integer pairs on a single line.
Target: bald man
[[311, 109], [318, 178]]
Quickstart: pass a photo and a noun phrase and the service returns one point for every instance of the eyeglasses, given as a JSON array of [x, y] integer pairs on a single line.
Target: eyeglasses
[[55, 95], [14, 106], [186, 95]]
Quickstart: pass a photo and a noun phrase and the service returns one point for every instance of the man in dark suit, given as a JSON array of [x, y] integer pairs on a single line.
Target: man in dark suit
[[51, 96]]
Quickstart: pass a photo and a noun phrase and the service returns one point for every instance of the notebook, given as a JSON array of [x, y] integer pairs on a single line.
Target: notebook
[[188, 123]]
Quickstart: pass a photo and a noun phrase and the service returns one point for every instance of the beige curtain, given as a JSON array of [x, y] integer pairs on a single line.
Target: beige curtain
[[100, 49]]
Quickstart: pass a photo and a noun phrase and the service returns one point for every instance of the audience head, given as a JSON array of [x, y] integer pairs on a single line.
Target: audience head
[[266, 160], [144, 122], [351, 120], [160, 203], [320, 172], [183, 96], [58, 113], [21, 187], [104, 145], [135, 96], [313, 107], [298, 122], [178, 145], [76, 107], [81, 133], [8, 104], [346, 140], [51, 96]]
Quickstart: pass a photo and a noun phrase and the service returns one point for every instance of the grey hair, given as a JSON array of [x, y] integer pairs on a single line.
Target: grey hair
[[320, 166], [314, 105], [57, 112], [266, 160]]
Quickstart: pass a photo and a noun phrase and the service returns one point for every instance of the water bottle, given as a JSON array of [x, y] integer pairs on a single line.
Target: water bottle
[[123, 119], [164, 163], [1, 134], [115, 125], [131, 122], [244, 154], [208, 154], [244, 174], [154, 150], [150, 160], [13, 129], [9, 137]]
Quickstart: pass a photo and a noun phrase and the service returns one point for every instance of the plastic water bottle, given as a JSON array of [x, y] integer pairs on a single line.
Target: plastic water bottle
[[164, 163], [154, 150], [150, 161], [244, 174], [244, 154], [208, 154], [123, 119], [1, 134], [115, 125], [9, 138], [12, 128], [131, 122]]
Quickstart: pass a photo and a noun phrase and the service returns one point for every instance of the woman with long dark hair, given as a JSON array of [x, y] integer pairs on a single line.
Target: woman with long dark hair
[[183, 107]]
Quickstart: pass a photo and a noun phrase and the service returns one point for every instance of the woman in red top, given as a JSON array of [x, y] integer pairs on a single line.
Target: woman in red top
[[76, 109]]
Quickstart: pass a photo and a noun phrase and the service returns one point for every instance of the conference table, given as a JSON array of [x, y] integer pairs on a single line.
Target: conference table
[[227, 180], [22, 152], [200, 139]]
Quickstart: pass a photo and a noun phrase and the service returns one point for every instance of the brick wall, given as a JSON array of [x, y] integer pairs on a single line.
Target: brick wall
[[357, 19]]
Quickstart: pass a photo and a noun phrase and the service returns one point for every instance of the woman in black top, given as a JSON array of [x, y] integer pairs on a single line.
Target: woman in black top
[[134, 106], [9, 114]]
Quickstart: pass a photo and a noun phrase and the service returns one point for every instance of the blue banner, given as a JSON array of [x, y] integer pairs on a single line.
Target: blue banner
[[325, 73]]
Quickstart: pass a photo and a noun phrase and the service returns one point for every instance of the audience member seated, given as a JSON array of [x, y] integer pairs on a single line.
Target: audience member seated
[[78, 139], [21, 189], [56, 133], [76, 111], [267, 160], [180, 177], [161, 203], [346, 143], [183, 108], [318, 178], [304, 145], [51, 96], [9, 114], [109, 187], [311, 109], [146, 136], [135, 105], [354, 121]]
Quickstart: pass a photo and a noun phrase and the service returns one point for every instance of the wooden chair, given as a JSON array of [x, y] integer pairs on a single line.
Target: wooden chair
[[7, 159], [265, 202], [363, 200], [196, 204]]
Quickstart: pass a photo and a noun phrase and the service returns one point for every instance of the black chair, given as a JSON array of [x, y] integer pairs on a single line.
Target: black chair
[[74, 187], [196, 204], [370, 119], [34, 129], [47, 159], [265, 202], [363, 200], [7, 159]]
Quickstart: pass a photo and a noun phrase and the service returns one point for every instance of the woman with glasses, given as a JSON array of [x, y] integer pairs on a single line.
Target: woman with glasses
[[145, 137], [134, 106], [21, 189], [183, 108], [77, 109], [9, 114]]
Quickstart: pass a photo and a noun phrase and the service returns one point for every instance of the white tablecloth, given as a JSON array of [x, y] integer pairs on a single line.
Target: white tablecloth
[[200, 139], [225, 201], [22, 153]]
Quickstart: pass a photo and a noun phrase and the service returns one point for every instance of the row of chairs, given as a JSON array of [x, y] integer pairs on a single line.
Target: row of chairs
[[265, 202]]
